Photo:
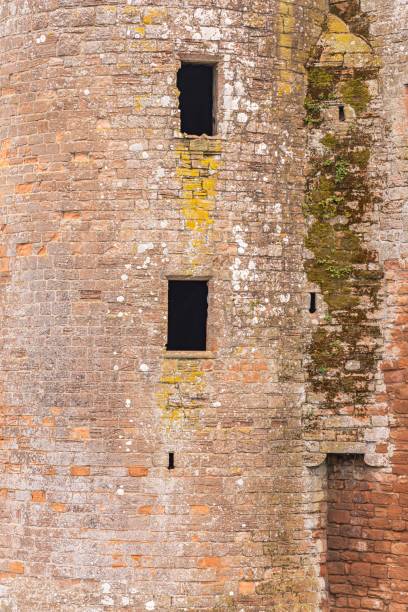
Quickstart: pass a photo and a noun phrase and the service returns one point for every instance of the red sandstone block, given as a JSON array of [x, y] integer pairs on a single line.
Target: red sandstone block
[[24, 249], [24, 188], [118, 560], [400, 573], [341, 602], [16, 567], [400, 470], [354, 603], [343, 588], [402, 393], [137, 471], [372, 604], [339, 516], [58, 507], [38, 497], [336, 568], [79, 433], [200, 509], [136, 560], [400, 458], [393, 376], [4, 264], [362, 569], [400, 435], [399, 548], [380, 570], [246, 588], [210, 562], [80, 470]]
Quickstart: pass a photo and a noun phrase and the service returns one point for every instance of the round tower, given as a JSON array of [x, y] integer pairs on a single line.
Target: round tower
[[141, 470]]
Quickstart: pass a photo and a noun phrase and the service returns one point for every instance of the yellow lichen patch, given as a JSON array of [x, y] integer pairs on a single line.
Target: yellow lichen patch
[[139, 31], [284, 88], [342, 48], [285, 47], [131, 11], [180, 381], [155, 15], [335, 25], [138, 105], [197, 168]]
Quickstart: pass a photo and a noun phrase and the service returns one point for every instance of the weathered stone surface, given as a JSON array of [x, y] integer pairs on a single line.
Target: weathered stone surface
[[102, 199]]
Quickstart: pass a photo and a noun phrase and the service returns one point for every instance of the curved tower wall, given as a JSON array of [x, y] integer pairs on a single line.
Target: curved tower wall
[[102, 199]]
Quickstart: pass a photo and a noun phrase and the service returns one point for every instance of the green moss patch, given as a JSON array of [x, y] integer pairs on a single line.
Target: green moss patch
[[338, 203], [356, 93]]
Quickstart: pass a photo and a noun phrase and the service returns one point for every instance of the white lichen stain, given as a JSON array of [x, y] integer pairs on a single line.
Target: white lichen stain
[[146, 246], [284, 298], [107, 601]]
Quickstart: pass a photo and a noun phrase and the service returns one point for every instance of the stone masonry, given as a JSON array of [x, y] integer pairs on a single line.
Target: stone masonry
[[290, 433]]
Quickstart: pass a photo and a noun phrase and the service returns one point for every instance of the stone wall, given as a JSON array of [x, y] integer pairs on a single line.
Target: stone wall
[[102, 199], [367, 505]]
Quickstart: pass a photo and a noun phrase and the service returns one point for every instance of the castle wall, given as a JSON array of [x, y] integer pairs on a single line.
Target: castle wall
[[288, 434], [366, 501], [102, 199]]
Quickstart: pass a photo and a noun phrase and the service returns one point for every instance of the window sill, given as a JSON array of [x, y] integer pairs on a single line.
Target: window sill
[[188, 355], [203, 137]]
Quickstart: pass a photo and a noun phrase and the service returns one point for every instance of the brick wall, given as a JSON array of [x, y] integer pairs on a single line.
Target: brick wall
[[102, 199]]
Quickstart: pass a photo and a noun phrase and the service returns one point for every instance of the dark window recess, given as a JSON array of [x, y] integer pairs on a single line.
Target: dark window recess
[[342, 113], [196, 85], [171, 461], [312, 303], [187, 316]]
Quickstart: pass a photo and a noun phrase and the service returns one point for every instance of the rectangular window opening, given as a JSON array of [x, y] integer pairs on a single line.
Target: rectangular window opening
[[342, 113], [187, 315], [171, 465], [312, 303], [196, 85]]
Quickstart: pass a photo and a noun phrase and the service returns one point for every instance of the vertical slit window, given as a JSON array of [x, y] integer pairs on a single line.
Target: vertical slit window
[[342, 113], [187, 315], [171, 465], [312, 303], [195, 83]]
